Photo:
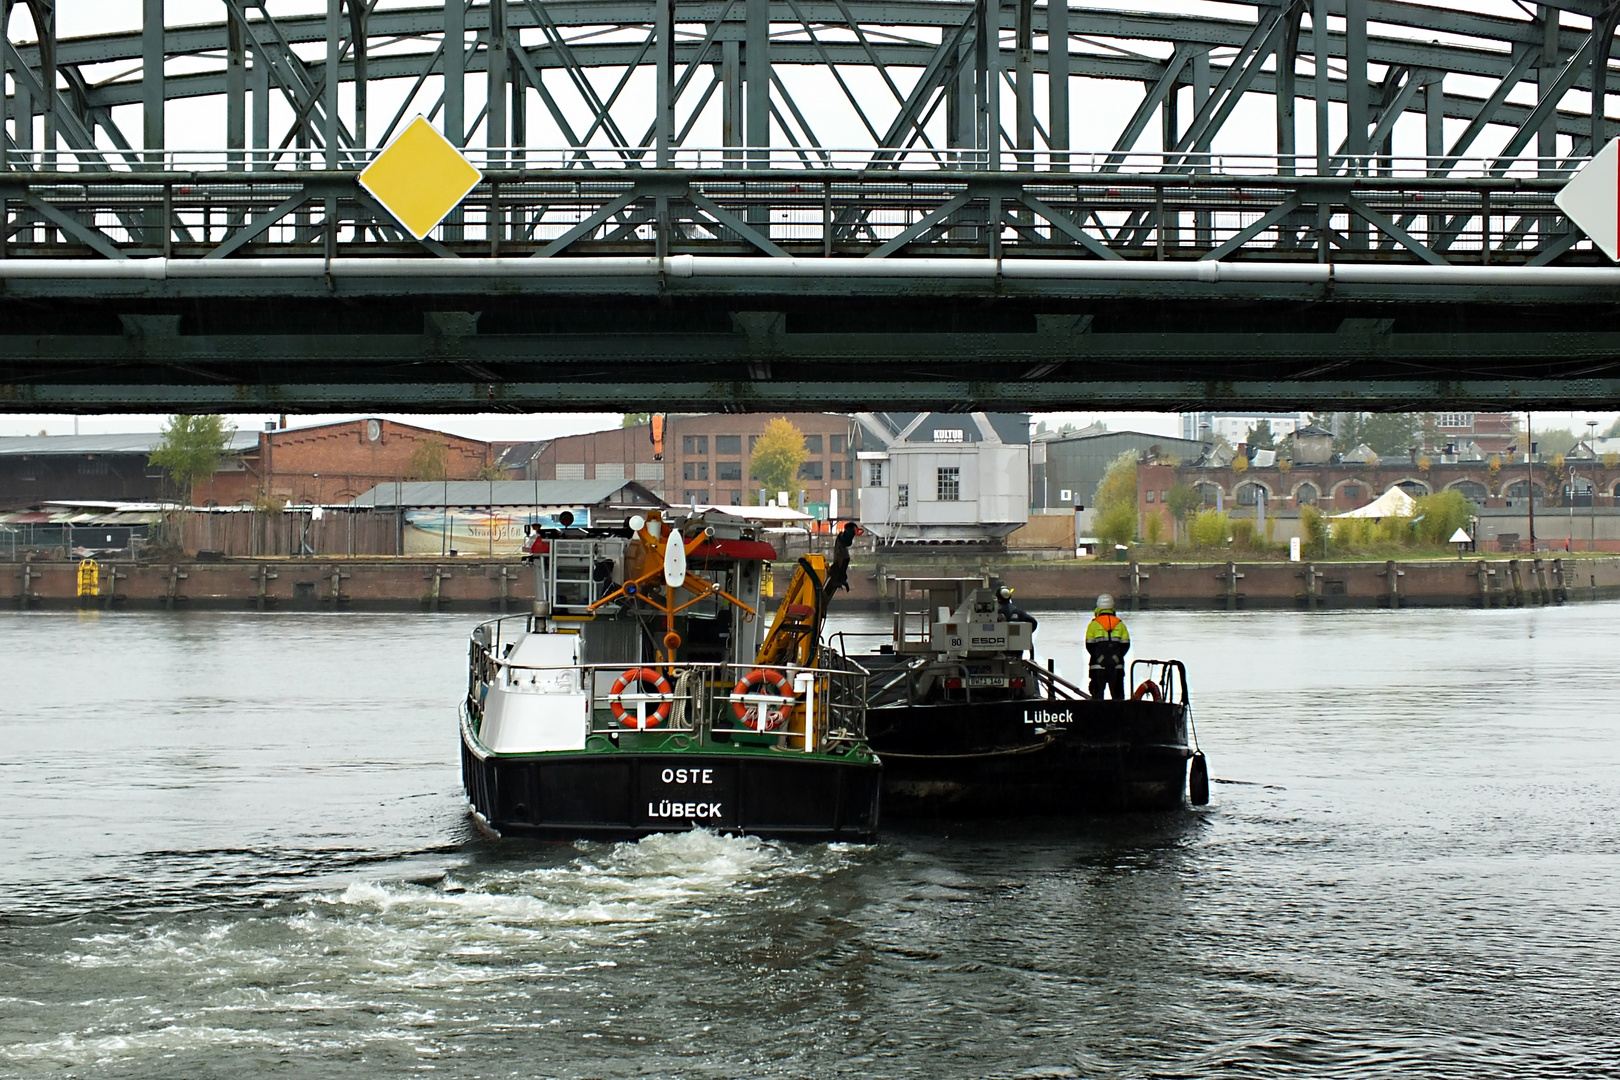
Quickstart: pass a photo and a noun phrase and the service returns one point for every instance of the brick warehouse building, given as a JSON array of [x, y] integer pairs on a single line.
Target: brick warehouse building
[[705, 458], [334, 463]]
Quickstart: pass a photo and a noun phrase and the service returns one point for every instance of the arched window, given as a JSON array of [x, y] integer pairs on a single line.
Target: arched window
[[1249, 493], [1414, 488], [1306, 494], [1517, 490], [1472, 490], [1209, 494]]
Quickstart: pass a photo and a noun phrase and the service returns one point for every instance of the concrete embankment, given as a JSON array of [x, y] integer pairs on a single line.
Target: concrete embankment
[[483, 586]]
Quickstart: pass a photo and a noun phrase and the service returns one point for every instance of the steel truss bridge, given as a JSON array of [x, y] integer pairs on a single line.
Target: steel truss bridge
[[764, 204]]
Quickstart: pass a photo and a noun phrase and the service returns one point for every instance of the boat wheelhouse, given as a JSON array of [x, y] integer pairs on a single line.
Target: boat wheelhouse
[[644, 695]]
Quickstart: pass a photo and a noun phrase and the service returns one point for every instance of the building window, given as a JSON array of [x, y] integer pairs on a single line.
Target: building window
[[837, 470], [728, 444], [902, 495], [835, 443], [752, 439], [695, 470], [695, 497], [1350, 491], [874, 474], [810, 470], [1456, 420], [948, 435], [727, 470], [1150, 495], [736, 498], [950, 483], [812, 443], [1306, 495], [694, 444]]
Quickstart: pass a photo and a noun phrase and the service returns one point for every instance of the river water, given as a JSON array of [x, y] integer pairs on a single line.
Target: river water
[[235, 846]]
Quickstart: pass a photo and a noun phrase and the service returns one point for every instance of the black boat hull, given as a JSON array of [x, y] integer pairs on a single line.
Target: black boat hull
[[608, 795], [1011, 758]]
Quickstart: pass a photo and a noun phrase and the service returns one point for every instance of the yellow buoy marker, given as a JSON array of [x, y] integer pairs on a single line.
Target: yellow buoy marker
[[420, 177]]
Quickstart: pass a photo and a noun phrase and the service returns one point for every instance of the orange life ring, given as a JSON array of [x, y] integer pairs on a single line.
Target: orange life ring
[[646, 677], [764, 719], [1147, 688]]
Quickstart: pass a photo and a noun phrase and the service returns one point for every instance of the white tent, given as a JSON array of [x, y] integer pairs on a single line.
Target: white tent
[[1392, 503]]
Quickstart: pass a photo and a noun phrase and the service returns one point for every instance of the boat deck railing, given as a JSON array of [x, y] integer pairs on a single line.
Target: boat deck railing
[[900, 683], [805, 708], [1169, 678]]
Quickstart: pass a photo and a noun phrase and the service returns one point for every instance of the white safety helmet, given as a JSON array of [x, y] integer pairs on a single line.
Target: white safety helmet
[[1105, 602], [1005, 593]]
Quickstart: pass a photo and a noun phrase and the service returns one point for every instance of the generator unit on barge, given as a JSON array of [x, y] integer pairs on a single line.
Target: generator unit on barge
[[642, 695]]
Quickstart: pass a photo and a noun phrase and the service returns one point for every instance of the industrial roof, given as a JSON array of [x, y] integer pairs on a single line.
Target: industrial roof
[[564, 493], [135, 442]]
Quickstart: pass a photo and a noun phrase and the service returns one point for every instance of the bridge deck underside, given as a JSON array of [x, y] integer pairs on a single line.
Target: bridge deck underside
[[601, 343]]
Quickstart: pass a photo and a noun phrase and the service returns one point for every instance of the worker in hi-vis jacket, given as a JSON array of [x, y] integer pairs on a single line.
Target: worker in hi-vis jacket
[[1107, 641]]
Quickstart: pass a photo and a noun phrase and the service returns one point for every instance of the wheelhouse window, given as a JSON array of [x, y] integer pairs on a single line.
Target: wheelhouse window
[[949, 486], [874, 474]]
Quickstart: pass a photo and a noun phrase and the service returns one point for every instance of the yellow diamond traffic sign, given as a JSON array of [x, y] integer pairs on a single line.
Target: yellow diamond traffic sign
[[419, 177]]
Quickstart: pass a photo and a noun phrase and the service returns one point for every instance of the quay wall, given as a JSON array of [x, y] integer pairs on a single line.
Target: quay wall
[[397, 584]]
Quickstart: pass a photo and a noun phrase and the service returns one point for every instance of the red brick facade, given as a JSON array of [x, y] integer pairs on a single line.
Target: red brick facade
[[333, 463], [705, 457]]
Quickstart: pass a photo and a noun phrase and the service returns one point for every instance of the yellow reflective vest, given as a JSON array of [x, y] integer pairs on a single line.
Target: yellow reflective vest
[[1107, 641]]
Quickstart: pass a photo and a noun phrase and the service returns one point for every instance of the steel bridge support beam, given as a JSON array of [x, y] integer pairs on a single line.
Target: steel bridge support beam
[[1057, 82], [757, 74]]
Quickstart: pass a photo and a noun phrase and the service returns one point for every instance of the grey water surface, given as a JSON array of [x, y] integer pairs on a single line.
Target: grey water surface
[[235, 846]]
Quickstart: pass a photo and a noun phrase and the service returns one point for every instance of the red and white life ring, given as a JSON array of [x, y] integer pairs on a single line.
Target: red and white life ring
[[646, 677], [759, 715], [1147, 688]]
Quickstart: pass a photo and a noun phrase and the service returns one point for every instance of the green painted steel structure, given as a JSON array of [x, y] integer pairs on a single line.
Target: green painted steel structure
[[720, 254]]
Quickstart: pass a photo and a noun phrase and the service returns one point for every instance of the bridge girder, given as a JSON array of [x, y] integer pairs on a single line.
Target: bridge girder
[[957, 154]]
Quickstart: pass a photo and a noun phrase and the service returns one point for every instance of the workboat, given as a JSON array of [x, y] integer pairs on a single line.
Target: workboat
[[967, 724], [642, 694]]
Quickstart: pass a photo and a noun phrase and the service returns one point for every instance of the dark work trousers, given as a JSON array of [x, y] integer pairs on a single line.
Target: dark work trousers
[[1111, 678]]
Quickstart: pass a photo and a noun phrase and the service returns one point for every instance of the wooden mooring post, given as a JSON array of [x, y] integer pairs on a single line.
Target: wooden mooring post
[[1392, 574], [1313, 592], [1231, 577], [1136, 576]]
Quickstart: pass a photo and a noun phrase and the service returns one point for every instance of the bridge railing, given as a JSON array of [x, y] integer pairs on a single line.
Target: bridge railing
[[779, 158], [1164, 214]]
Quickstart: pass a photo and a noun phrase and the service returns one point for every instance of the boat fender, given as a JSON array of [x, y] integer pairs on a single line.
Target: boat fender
[[1198, 780], [647, 677], [1147, 688], [764, 718]]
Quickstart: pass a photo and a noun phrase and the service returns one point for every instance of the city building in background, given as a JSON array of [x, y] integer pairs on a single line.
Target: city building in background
[[705, 459], [1234, 427], [1067, 469], [109, 468], [943, 477]]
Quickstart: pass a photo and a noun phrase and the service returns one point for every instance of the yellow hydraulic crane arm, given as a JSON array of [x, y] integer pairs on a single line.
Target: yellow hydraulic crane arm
[[795, 633]]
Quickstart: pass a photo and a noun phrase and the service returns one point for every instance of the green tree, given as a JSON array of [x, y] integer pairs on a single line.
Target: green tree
[[1391, 433], [492, 470], [430, 459], [631, 419], [1260, 437], [1314, 525], [1184, 501], [1115, 521], [1210, 529], [777, 455], [1440, 515], [190, 449]]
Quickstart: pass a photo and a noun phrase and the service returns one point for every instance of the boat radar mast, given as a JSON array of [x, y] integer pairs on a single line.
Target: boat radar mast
[[665, 556]]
